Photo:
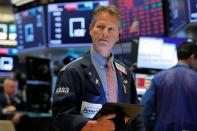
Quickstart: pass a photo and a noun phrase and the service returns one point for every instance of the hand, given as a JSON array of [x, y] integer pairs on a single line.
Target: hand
[[104, 123], [9, 109], [16, 119]]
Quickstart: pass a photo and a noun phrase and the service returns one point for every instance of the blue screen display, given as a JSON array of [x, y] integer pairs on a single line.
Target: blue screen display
[[178, 16], [30, 28], [7, 63], [192, 9]]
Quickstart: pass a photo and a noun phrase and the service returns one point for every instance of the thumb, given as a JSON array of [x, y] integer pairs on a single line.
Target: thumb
[[107, 117]]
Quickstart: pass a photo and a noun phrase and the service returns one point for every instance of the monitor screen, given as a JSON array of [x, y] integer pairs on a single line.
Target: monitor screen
[[7, 35], [3, 31], [192, 10], [157, 53], [38, 97], [12, 32], [143, 82], [69, 23], [7, 63], [178, 17], [38, 69], [30, 28], [141, 18]]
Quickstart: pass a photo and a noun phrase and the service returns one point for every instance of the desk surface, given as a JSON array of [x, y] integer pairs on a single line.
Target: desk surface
[[30, 114]]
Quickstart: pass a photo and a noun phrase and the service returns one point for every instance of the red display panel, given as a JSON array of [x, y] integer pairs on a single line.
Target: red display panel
[[141, 18]]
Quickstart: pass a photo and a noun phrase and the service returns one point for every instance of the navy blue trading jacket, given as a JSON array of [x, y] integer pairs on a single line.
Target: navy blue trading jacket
[[76, 83]]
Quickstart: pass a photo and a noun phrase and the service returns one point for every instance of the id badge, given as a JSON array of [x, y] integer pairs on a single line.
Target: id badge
[[89, 110]]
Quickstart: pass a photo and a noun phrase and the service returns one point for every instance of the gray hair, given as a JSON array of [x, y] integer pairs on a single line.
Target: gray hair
[[111, 9], [7, 80]]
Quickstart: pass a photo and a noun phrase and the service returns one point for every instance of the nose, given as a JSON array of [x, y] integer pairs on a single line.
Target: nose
[[105, 32]]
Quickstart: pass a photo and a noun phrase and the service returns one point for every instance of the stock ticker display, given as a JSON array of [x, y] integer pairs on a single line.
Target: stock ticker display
[[141, 18], [30, 28], [69, 23]]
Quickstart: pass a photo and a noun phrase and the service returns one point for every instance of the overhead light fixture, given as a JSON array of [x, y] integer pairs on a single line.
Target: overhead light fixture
[[20, 2]]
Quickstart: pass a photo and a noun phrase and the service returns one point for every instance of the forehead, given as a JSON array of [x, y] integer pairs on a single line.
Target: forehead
[[105, 17], [11, 83]]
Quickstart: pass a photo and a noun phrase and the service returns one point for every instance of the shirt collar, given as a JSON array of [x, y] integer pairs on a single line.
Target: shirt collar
[[99, 59], [185, 65]]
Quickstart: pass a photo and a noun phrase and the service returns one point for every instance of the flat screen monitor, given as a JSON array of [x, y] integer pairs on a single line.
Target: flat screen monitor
[[192, 10], [38, 69], [157, 53], [143, 82], [7, 63], [178, 17], [38, 97], [141, 18], [12, 32], [3, 31], [30, 26], [68, 23]]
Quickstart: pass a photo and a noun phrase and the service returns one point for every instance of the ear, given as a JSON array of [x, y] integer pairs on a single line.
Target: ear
[[90, 29], [120, 33], [191, 59]]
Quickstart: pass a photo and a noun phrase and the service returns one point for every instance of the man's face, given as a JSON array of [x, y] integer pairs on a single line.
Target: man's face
[[105, 31], [10, 87]]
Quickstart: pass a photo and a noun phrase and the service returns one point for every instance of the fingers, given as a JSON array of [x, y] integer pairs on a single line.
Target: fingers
[[107, 117], [9, 109], [102, 125], [126, 119]]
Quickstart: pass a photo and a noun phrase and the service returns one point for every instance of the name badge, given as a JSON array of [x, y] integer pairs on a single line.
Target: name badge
[[121, 68], [89, 110]]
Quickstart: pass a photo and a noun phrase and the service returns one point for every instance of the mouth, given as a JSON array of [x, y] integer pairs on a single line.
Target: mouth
[[103, 40]]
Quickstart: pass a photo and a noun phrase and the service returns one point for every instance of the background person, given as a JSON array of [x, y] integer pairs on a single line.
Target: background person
[[173, 93], [10, 103]]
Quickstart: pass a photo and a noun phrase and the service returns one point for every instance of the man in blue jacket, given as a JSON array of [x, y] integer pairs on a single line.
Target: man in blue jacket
[[83, 86], [173, 93]]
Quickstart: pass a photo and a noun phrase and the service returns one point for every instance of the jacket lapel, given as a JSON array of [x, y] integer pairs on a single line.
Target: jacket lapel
[[122, 85], [92, 74]]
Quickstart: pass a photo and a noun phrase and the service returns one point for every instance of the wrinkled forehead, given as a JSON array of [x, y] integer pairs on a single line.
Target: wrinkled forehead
[[107, 18], [10, 83]]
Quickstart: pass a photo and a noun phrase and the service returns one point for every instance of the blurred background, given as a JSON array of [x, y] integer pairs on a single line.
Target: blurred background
[[39, 37]]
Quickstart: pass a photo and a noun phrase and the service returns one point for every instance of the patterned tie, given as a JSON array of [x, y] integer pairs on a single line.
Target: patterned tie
[[111, 83]]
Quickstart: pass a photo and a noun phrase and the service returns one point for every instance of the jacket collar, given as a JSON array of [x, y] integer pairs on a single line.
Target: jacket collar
[[122, 79], [91, 73]]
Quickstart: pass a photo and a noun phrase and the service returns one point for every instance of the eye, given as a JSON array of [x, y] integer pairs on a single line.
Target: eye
[[112, 28], [100, 26]]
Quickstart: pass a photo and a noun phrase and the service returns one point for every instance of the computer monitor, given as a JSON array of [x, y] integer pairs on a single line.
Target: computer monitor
[[38, 97], [38, 91], [140, 18], [7, 63], [3, 31], [68, 23], [38, 69], [8, 35], [143, 82], [12, 32], [177, 15], [157, 53], [192, 10], [30, 26]]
